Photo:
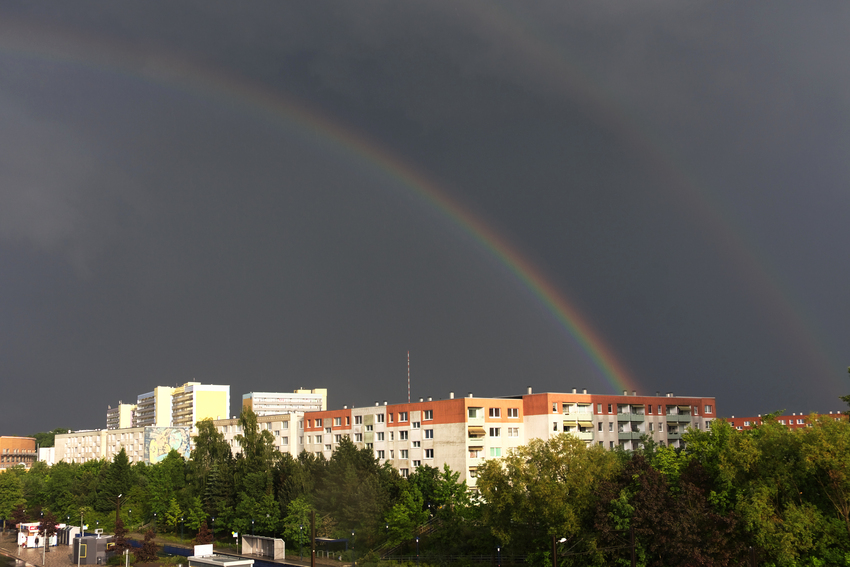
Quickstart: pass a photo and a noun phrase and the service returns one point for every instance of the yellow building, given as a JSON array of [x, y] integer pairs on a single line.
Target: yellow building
[[154, 408], [120, 417], [194, 401]]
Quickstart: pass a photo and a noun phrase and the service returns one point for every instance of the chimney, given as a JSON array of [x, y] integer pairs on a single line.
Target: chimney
[[529, 390], [344, 407], [376, 404], [451, 395], [385, 402], [657, 393], [625, 392], [584, 391], [470, 395], [421, 400], [574, 390], [634, 392]]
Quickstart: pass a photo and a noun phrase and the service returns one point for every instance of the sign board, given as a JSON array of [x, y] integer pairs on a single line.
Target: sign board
[[204, 550]]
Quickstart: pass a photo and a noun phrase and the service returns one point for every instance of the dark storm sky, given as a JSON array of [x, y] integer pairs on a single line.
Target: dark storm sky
[[677, 171]]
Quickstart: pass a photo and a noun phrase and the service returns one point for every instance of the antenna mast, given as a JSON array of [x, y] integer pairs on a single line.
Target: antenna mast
[[408, 376]]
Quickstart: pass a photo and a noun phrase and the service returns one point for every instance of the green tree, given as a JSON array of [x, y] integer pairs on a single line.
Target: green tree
[[48, 438], [173, 514], [406, 516], [543, 489], [11, 495], [296, 523]]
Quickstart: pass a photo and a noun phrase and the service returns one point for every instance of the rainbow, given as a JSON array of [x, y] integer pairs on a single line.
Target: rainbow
[[57, 44]]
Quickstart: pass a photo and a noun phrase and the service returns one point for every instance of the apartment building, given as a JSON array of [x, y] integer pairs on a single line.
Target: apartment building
[[792, 421], [194, 401], [149, 445], [285, 428], [121, 416], [463, 432], [153, 409], [277, 403], [16, 451]]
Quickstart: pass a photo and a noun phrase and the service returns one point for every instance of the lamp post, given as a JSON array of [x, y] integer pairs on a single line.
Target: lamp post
[[181, 530], [353, 553], [301, 542], [130, 518], [417, 550], [252, 527], [154, 521], [499, 553], [213, 529]]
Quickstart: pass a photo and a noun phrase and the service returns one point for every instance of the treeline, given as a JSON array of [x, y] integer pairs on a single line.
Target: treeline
[[784, 493]]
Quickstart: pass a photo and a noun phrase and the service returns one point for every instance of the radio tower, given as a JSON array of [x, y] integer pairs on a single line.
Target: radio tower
[[408, 376]]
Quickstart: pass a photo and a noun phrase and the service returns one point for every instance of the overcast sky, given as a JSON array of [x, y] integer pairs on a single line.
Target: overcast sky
[[257, 194]]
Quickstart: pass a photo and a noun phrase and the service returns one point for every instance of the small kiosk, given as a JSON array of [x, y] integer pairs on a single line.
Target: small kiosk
[[28, 535], [92, 550]]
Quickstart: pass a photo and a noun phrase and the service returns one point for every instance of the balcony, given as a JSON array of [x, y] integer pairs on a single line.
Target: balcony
[[627, 435], [628, 416]]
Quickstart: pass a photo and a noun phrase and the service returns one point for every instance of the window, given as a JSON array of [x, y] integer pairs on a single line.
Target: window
[[599, 427], [358, 420], [327, 447], [404, 473], [472, 413], [328, 429], [347, 420], [554, 426], [301, 440], [402, 435], [380, 418], [495, 451], [554, 407], [429, 414], [337, 421], [309, 439], [381, 454], [380, 436], [782, 421], [609, 408], [403, 453], [368, 428], [417, 444], [392, 454], [598, 408], [746, 423], [358, 437], [429, 434], [318, 423], [650, 427], [286, 425], [300, 424], [660, 427], [696, 410], [318, 438], [415, 425], [659, 409], [708, 409], [495, 432], [369, 446], [337, 438], [429, 453], [611, 426], [473, 473], [309, 423], [649, 407], [495, 412], [513, 412], [610, 444], [391, 417], [402, 416], [392, 435], [513, 431], [602, 443], [799, 422]]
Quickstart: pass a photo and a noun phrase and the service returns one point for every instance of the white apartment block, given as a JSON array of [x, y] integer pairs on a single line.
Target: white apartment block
[[120, 417], [141, 444], [276, 403], [285, 428]]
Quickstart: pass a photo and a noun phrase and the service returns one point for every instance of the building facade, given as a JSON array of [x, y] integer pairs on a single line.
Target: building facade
[[463, 432], [122, 416], [148, 445], [194, 401], [278, 403], [15, 451], [283, 427], [792, 421], [153, 409]]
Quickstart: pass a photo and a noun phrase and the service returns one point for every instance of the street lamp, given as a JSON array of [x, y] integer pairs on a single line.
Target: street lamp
[[252, 527], [499, 552], [213, 528], [181, 530], [353, 553], [130, 518], [417, 550], [301, 542]]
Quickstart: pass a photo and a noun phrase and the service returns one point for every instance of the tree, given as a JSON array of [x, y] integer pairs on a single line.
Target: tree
[[148, 552], [406, 515], [11, 495], [296, 524], [120, 539], [543, 489], [204, 535], [47, 526], [48, 439]]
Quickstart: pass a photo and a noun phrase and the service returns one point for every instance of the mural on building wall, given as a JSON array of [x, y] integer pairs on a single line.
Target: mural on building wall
[[159, 441]]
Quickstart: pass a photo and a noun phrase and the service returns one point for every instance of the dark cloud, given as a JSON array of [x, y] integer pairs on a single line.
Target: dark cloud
[[677, 171]]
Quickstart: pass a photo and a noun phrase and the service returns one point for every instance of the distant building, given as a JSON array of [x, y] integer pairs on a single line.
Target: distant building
[[194, 401], [120, 417], [793, 421], [283, 427], [147, 445], [153, 409], [16, 451], [47, 455], [277, 403]]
